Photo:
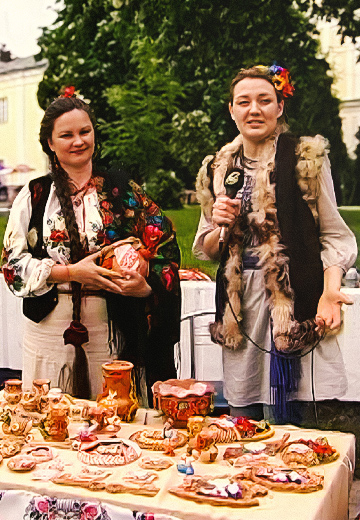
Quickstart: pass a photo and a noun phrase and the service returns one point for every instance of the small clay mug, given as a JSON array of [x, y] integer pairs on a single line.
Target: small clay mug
[[29, 401], [41, 386]]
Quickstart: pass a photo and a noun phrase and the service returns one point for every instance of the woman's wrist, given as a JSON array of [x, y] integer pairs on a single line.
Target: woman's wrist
[[60, 274]]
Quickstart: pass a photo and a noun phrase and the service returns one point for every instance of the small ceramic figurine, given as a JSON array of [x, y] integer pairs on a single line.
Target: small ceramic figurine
[[99, 419], [169, 445], [29, 401], [168, 430], [205, 449], [195, 424], [15, 423], [11, 446], [186, 466]]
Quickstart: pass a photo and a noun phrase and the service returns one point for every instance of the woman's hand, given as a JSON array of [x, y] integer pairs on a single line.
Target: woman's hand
[[132, 283], [87, 273], [225, 211], [332, 298], [329, 308]]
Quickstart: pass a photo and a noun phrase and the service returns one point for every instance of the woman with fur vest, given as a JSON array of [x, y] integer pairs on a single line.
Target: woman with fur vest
[[269, 216]]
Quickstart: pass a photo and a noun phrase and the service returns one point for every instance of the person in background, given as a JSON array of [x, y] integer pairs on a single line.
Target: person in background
[[57, 229], [269, 216]]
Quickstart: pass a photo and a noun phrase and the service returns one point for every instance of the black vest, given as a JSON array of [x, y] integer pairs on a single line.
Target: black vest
[[37, 308], [299, 232]]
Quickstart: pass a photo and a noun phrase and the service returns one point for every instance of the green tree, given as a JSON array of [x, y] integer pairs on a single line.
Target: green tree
[[144, 106], [135, 58]]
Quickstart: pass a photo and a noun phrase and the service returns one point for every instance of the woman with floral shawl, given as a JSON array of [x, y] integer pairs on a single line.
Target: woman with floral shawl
[[56, 231]]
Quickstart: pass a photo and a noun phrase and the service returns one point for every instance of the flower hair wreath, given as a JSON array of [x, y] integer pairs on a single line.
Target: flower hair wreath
[[280, 78]]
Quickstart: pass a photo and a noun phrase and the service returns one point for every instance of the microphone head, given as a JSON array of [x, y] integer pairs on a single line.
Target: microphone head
[[234, 181]]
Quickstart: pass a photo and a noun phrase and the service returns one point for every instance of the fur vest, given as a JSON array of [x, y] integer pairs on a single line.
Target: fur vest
[[285, 219]]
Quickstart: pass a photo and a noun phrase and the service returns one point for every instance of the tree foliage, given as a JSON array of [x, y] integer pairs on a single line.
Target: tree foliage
[[353, 189], [158, 71]]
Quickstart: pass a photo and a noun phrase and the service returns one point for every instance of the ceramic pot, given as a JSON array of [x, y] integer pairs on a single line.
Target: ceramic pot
[[55, 426], [13, 391], [180, 399], [119, 389]]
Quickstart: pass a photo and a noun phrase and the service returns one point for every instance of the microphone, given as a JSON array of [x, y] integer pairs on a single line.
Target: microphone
[[234, 181]]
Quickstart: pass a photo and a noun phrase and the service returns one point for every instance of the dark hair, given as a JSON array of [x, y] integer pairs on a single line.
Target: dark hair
[[257, 71], [56, 109]]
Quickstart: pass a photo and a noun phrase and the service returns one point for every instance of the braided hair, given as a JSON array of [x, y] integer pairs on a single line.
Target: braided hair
[[61, 179]]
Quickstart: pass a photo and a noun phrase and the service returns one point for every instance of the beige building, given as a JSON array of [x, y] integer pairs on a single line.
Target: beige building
[[20, 117], [346, 71]]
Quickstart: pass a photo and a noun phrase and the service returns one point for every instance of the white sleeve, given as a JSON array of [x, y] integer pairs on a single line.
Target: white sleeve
[[338, 242], [24, 275], [205, 226]]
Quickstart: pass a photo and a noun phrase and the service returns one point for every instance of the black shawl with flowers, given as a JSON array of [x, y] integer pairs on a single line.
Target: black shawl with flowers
[[144, 330]]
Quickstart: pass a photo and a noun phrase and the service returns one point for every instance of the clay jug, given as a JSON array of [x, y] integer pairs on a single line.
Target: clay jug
[[13, 391], [119, 389]]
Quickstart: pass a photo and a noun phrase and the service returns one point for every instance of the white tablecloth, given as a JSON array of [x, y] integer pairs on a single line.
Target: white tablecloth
[[331, 503], [11, 330]]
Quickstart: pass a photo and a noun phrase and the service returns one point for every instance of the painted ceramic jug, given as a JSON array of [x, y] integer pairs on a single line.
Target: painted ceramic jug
[[55, 426], [119, 389], [13, 391]]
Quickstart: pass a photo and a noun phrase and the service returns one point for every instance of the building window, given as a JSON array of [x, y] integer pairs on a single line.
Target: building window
[[3, 110]]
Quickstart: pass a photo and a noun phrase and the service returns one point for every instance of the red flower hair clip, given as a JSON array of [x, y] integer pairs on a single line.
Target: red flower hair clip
[[69, 92]]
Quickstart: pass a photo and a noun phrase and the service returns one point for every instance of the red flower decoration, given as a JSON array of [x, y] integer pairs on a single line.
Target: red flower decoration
[[90, 512], [9, 275], [151, 236], [107, 219], [69, 92], [244, 425], [41, 504], [105, 204], [167, 276], [58, 236]]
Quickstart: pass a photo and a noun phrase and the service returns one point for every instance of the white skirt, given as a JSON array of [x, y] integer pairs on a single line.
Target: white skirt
[[247, 370], [46, 356]]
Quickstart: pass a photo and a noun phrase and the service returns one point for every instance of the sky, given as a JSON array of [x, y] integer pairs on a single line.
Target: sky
[[20, 22]]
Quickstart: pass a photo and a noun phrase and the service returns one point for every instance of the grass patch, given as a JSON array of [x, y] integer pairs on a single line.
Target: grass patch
[[352, 219], [186, 221], [3, 222]]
